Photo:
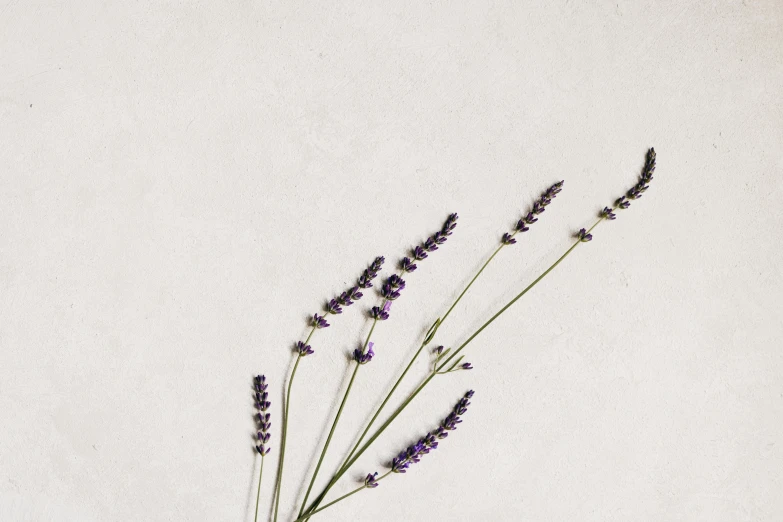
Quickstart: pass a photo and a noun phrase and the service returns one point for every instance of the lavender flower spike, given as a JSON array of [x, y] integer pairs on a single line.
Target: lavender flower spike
[[523, 225], [262, 405], [419, 253], [636, 191], [413, 454], [350, 296]]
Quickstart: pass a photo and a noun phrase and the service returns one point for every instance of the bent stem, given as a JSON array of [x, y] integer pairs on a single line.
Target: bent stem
[[413, 395], [333, 502], [336, 420], [284, 431], [258, 494]]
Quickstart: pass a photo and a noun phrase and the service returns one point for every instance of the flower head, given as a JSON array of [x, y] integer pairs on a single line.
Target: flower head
[[319, 321], [365, 280], [538, 208], [353, 294], [607, 213], [583, 236], [466, 366], [381, 313], [636, 191], [413, 453], [371, 481], [262, 417], [303, 349], [407, 265], [363, 357]]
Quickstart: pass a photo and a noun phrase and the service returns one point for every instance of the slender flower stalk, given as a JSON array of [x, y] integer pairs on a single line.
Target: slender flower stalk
[[303, 349], [390, 291], [262, 403], [621, 203], [412, 454], [523, 225]]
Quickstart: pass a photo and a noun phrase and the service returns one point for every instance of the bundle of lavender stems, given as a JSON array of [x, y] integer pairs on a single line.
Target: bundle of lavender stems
[[443, 360]]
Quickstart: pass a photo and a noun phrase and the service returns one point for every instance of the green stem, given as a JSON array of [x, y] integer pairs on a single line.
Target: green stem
[[333, 502], [413, 395], [258, 494], [336, 420], [284, 433]]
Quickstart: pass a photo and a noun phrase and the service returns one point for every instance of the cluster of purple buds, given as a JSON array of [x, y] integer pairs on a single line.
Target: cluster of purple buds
[[381, 313], [583, 235], [262, 405], [636, 191], [303, 349], [392, 287], [347, 298], [363, 357], [538, 208], [319, 321], [430, 245], [371, 481], [412, 454]]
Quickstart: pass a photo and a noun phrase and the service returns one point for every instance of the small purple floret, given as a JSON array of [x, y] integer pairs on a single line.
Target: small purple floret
[[303, 349], [371, 480], [361, 357], [583, 236]]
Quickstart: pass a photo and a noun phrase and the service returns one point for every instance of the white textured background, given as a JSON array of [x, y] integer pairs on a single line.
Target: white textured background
[[181, 183]]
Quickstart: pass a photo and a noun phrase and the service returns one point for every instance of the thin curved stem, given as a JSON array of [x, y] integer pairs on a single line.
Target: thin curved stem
[[258, 494], [336, 420], [413, 395], [333, 502], [284, 433]]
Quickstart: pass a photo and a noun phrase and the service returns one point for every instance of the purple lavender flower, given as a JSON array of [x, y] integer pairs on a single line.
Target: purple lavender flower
[[365, 280], [353, 294], [319, 321], [407, 265], [419, 253], [466, 366], [262, 405], [303, 349], [430, 244], [396, 281], [361, 357], [438, 350], [333, 307], [607, 213], [371, 480], [636, 191], [538, 208], [583, 236], [413, 453], [389, 293], [450, 224], [381, 313]]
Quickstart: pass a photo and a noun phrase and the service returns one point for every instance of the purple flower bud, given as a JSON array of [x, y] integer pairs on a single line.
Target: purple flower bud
[[389, 293], [530, 218], [407, 265], [396, 282], [333, 307], [450, 224], [319, 322], [466, 366], [622, 203], [438, 350], [303, 349], [262, 405], [430, 245], [371, 480], [607, 213], [508, 239], [362, 357], [419, 253], [583, 236], [379, 313], [521, 226]]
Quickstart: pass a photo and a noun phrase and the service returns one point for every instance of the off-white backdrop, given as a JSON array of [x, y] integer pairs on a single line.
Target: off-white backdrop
[[183, 182]]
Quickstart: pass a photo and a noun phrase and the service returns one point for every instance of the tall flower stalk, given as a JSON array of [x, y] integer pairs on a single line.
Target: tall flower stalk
[[410, 455], [508, 238], [391, 290], [583, 236], [303, 349], [262, 403]]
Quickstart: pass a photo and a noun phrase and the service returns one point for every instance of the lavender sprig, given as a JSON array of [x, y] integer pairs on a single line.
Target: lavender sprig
[[391, 291], [302, 349], [539, 206], [357, 452], [410, 455], [262, 404]]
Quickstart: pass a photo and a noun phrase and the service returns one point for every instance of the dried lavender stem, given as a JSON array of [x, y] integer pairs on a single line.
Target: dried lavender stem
[[258, 494], [413, 395], [336, 420], [333, 502], [284, 431], [416, 355]]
